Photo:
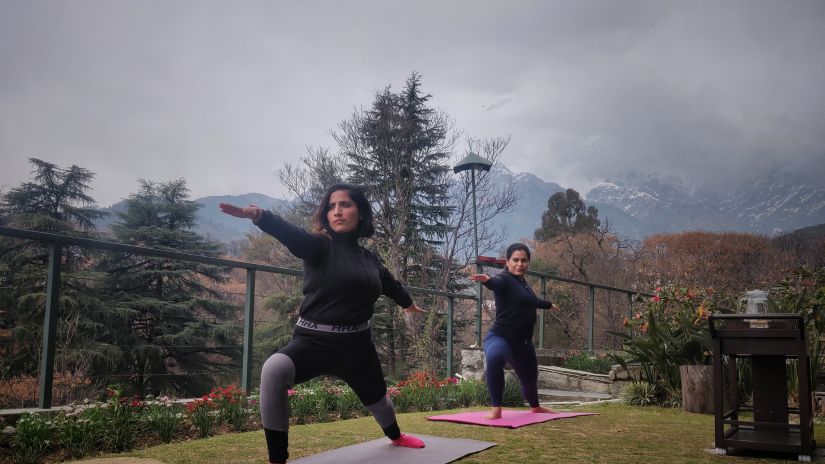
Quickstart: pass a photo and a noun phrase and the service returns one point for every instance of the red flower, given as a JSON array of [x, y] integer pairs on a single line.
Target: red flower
[[656, 298]]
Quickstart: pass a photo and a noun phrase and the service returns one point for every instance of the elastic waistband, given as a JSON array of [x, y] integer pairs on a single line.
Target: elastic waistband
[[332, 328]]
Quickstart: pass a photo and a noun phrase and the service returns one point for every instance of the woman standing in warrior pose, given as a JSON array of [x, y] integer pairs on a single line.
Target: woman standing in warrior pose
[[510, 338], [342, 281]]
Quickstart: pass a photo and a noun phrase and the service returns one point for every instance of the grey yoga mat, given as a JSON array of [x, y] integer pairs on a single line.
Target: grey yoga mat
[[437, 451]]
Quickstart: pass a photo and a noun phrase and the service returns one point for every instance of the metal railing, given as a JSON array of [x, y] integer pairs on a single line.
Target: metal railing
[[56, 242], [591, 300]]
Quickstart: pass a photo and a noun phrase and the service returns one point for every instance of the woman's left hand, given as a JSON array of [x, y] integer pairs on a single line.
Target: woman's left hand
[[413, 309]]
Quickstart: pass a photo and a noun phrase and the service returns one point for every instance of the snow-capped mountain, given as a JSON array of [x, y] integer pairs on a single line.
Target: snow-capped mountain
[[776, 202], [769, 204], [636, 205], [533, 194]]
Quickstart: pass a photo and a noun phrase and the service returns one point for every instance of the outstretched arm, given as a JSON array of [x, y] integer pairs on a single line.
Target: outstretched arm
[[243, 212], [414, 309], [493, 283], [546, 304], [391, 287], [300, 243]]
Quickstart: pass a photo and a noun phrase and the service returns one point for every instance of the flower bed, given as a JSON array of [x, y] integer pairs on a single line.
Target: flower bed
[[121, 422]]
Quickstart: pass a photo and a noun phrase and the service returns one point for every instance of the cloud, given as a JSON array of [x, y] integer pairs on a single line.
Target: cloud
[[223, 94]]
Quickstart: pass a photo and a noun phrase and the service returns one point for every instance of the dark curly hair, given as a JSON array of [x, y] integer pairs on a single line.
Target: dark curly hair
[[365, 226]]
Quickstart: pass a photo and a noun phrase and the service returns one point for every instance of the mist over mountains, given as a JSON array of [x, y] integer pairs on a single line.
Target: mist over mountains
[[635, 204], [772, 203]]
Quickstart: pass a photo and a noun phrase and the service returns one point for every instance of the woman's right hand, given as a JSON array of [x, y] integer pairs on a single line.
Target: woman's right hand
[[479, 278], [248, 212]]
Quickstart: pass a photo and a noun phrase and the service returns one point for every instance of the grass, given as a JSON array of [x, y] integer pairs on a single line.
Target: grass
[[618, 434]]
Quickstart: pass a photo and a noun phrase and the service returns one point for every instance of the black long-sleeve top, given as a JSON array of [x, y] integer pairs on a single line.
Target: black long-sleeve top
[[342, 280], [515, 307]]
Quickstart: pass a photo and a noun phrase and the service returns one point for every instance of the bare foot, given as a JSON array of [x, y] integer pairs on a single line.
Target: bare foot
[[543, 409], [495, 413]]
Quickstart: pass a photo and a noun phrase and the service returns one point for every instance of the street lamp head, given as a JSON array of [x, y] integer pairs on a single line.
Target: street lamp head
[[472, 161]]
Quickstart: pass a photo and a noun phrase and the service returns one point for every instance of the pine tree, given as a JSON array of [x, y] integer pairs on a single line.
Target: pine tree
[[399, 151], [175, 331], [55, 201]]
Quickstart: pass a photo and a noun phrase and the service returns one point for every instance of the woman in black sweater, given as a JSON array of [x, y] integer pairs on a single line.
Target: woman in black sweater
[[510, 338], [342, 281]]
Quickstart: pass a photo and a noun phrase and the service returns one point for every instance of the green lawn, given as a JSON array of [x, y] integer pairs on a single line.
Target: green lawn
[[618, 434]]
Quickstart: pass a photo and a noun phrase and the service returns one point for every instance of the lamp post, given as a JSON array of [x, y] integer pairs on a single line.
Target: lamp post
[[474, 162]]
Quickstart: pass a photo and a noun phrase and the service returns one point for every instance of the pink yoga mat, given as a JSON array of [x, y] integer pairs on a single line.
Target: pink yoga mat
[[509, 419]]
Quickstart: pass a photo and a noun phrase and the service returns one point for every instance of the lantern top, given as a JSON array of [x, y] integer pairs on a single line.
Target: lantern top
[[472, 161]]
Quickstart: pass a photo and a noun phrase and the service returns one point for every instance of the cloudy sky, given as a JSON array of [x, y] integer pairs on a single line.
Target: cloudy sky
[[224, 93]]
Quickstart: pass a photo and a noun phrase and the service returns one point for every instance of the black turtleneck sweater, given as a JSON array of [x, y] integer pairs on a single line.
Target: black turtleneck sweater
[[342, 279], [515, 307]]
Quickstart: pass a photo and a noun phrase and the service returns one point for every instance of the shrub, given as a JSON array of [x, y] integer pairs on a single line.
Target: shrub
[[31, 440], [162, 417], [595, 363], [348, 405], [203, 414], [121, 420], [640, 394], [302, 404], [76, 433], [803, 291], [115, 425], [671, 398], [668, 330], [231, 405], [471, 392], [512, 392], [423, 391]]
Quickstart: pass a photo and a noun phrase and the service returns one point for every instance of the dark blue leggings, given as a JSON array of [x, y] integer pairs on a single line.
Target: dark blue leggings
[[498, 352]]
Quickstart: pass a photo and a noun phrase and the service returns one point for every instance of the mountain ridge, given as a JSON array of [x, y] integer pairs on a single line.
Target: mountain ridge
[[635, 204]]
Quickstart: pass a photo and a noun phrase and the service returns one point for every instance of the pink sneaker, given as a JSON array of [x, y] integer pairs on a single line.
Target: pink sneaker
[[408, 441]]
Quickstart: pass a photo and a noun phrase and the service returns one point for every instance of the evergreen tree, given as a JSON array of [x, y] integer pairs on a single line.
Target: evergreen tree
[[399, 151], [174, 330], [567, 215], [55, 201], [402, 159]]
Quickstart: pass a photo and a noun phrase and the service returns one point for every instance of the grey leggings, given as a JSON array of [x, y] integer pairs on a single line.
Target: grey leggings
[[354, 360]]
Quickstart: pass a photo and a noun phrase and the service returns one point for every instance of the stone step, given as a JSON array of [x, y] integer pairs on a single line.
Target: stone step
[[551, 395]]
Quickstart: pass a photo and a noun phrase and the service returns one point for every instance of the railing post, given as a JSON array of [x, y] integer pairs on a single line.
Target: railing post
[[543, 311], [630, 304], [629, 309], [50, 327], [591, 307], [450, 303], [478, 265], [478, 305], [249, 317]]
